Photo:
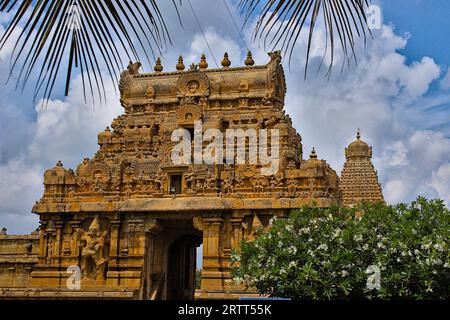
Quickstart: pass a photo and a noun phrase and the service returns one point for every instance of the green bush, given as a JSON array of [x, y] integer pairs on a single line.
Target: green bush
[[369, 252]]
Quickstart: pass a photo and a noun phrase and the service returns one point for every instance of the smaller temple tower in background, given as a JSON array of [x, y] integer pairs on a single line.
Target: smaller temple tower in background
[[359, 180]]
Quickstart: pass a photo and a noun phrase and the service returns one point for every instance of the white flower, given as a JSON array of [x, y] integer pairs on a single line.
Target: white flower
[[322, 247], [358, 238], [344, 273], [336, 233], [304, 230], [311, 253], [272, 220], [292, 250], [380, 245], [447, 265], [293, 264], [238, 280], [365, 247], [437, 262]]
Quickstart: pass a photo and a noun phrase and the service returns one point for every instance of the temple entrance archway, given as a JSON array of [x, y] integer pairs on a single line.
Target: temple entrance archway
[[182, 267], [169, 271]]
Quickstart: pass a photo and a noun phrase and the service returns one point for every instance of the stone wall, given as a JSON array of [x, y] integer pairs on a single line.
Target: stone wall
[[18, 254]]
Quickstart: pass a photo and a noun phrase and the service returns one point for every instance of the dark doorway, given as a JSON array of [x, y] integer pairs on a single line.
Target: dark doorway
[[175, 184], [191, 133], [182, 268]]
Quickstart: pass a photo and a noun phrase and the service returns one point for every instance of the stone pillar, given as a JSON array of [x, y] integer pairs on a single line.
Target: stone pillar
[[152, 228], [212, 275], [42, 243], [74, 250], [112, 276], [59, 239], [237, 236], [114, 244]]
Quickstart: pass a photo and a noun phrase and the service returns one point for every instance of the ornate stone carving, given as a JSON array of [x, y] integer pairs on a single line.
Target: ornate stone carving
[[92, 245], [130, 177], [127, 76], [194, 83], [188, 114], [359, 180]]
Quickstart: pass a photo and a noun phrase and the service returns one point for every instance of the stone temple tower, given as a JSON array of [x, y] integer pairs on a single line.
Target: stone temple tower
[[127, 222], [359, 180]]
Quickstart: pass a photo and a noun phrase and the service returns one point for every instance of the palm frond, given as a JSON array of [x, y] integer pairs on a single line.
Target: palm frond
[[54, 35], [281, 22]]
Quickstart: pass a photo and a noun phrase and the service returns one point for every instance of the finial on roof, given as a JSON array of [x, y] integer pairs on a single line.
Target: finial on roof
[[313, 154], [59, 164], [180, 65], [226, 63], [358, 149], [249, 61], [203, 63], [158, 67]]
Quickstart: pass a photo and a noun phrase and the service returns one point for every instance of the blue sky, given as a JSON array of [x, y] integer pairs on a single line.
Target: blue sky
[[399, 95], [428, 22]]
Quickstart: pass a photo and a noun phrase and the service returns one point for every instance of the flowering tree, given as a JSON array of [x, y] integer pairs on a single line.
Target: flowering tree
[[369, 252]]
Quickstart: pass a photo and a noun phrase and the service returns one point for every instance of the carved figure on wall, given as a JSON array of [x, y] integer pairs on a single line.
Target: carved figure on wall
[[159, 181], [292, 188], [228, 187], [190, 180], [92, 245]]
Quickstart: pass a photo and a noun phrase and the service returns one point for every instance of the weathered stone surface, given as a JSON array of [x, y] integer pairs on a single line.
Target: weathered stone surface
[[359, 180], [131, 220]]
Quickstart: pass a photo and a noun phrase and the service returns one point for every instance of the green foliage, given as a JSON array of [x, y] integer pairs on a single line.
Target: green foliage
[[332, 253]]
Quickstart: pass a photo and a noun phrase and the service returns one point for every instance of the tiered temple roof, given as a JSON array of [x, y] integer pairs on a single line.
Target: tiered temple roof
[[359, 180]]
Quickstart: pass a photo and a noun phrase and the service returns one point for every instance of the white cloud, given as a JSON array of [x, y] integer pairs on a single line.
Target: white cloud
[[64, 130], [445, 82], [440, 181], [383, 95], [20, 186]]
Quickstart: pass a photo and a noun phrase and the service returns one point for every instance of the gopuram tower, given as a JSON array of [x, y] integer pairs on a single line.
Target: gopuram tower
[[127, 222], [359, 180]]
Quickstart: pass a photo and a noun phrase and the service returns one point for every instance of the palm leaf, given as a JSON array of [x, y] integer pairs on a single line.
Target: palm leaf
[[281, 21], [80, 34]]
